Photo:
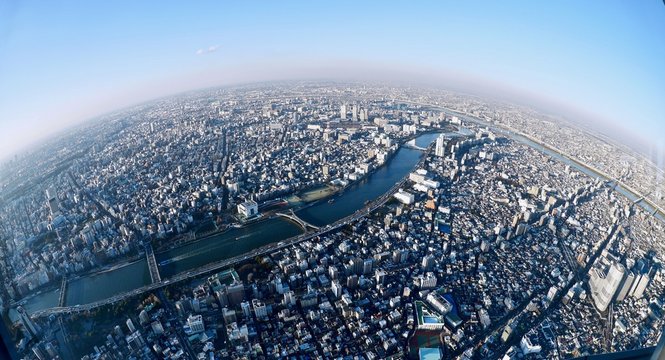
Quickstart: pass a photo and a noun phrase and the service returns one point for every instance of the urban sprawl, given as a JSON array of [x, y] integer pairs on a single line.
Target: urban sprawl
[[509, 239]]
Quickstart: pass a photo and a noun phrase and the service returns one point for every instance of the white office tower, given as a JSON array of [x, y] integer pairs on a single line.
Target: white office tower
[[336, 289], [625, 286], [248, 208], [196, 323], [130, 325], [52, 202], [289, 298], [246, 310], [354, 113], [639, 285], [440, 149], [604, 284], [364, 115], [342, 112], [260, 309]]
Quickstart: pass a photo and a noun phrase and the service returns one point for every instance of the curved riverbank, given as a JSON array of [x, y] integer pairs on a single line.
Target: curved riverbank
[[237, 241]]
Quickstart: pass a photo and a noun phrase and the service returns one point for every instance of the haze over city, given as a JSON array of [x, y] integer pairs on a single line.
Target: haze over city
[[293, 180], [65, 62]]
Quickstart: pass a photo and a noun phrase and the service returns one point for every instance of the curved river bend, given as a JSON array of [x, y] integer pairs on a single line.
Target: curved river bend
[[235, 241]]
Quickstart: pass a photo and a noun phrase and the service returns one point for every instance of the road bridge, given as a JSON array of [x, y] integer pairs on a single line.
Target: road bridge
[[641, 198], [152, 264], [232, 261], [293, 217], [63, 292], [411, 144]]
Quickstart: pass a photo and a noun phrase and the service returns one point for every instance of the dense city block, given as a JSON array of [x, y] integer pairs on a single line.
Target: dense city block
[[513, 235]]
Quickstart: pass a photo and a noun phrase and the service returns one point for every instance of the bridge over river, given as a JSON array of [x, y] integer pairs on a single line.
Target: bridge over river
[[232, 261], [293, 217]]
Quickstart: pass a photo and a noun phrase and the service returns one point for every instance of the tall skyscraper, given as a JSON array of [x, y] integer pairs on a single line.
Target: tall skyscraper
[[246, 309], [364, 115], [352, 281], [604, 284], [639, 285], [157, 327], [135, 341], [52, 202], [367, 266], [144, 318], [260, 309], [130, 325], [440, 149], [342, 112], [336, 289], [354, 113], [236, 293], [427, 263], [625, 286]]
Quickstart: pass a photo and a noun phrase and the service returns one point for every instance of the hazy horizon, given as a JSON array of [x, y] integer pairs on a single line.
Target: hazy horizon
[[548, 107], [596, 62]]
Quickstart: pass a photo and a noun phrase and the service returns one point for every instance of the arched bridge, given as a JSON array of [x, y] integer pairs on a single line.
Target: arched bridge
[[411, 144], [293, 217]]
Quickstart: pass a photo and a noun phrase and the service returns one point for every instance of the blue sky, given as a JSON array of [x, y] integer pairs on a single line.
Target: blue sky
[[66, 61]]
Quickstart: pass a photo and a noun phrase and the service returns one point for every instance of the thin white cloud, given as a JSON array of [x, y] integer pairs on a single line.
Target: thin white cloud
[[209, 50]]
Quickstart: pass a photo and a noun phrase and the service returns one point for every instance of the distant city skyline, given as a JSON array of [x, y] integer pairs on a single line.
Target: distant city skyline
[[64, 63]]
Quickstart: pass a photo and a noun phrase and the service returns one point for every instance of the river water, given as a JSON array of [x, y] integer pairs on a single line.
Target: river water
[[574, 165], [235, 241]]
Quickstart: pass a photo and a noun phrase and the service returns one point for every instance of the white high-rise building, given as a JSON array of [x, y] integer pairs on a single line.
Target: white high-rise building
[[428, 262], [440, 149], [604, 284], [336, 289], [52, 202], [248, 208], [639, 285], [426, 281], [130, 325], [196, 324], [157, 327], [246, 310], [342, 112], [626, 286], [364, 115], [289, 298], [260, 309]]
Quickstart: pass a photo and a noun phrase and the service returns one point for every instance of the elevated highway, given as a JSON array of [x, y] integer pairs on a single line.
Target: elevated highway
[[216, 266]]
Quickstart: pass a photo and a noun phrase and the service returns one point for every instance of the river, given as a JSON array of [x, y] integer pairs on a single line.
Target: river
[[236, 241], [573, 164]]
